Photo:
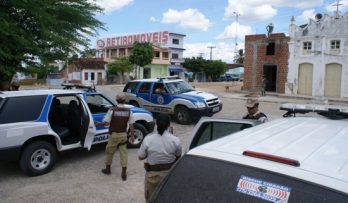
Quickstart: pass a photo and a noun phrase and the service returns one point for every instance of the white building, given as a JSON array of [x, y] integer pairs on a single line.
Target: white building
[[318, 57]]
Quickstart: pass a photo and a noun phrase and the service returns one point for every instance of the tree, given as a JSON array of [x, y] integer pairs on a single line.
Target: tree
[[239, 58], [88, 52], [142, 54], [35, 31], [212, 68], [119, 65]]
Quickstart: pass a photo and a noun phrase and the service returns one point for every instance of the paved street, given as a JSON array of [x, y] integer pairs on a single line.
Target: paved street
[[77, 176]]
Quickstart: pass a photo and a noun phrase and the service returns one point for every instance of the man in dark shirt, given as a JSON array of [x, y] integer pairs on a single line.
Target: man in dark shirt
[[253, 111]]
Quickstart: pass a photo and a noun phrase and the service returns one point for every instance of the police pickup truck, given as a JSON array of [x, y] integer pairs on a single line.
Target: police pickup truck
[[35, 124], [173, 96]]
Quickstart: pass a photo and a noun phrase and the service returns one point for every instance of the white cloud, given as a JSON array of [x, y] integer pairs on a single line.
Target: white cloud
[[112, 5], [264, 9], [189, 18], [223, 51], [332, 7], [153, 19], [233, 29], [307, 14]]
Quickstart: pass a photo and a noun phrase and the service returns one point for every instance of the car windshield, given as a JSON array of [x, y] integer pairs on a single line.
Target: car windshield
[[179, 87], [211, 180]]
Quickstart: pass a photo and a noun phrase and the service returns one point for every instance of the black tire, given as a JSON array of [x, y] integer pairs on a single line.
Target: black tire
[[139, 135], [134, 103], [38, 158], [182, 115]]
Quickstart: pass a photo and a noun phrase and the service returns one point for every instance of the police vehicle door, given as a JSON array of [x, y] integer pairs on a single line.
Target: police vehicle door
[[98, 106], [144, 95], [160, 98]]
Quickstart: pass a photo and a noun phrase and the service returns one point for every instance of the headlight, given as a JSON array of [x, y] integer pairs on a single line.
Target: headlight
[[200, 104]]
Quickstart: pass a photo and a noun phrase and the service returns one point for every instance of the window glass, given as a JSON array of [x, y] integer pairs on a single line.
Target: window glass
[[175, 41], [159, 88], [165, 55], [335, 44], [20, 109], [86, 75], [179, 87], [157, 54], [203, 135], [98, 104], [92, 75], [221, 129], [145, 87], [211, 180], [307, 45], [175, 56], [130, 87]]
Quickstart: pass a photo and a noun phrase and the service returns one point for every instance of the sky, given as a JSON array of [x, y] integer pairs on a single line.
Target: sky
[[209, 22]]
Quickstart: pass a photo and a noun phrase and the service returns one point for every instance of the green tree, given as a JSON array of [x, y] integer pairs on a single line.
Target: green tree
[[239, 57], [142, 54], [88, 52], [118, 66], [212, 68], [36, 30]]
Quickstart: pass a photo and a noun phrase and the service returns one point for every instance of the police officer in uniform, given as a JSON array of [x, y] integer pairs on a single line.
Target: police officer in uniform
[[119, 119], [161, 150], [253, 111]]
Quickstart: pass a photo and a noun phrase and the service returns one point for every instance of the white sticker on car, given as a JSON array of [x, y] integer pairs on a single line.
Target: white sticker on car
[[264, 190]]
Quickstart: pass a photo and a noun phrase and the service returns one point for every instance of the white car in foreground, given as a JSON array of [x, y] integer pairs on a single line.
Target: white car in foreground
[[302, 159]]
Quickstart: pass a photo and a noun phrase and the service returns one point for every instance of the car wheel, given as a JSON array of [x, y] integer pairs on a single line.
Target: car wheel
[[37, 158], [182, 115], [139, 134], [134, 103]]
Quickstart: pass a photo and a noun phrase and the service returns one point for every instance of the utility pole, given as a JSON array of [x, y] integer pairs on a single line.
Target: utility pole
[[211, 51], [236, 34]]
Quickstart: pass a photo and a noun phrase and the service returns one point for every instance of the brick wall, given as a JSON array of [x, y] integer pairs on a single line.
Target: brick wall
[[256, 58]]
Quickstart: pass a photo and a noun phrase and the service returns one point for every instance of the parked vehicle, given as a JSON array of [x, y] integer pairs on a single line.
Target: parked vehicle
[[35, 124], [296, 159], [172, 96], [222, 78]]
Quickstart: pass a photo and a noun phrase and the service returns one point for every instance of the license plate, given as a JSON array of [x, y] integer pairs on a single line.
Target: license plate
[[215, 109]]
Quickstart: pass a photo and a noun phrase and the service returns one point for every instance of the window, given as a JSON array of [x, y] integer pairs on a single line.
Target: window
[[98, 104], [145, 87], [86, 75], [335, 44], [92, 75], [30, 108], [165, 55], [130, 87], [211, 180], [307, 46], [175, 56], [159, 88], [213, 130], [175, 41], [270, 48], [157, 54]]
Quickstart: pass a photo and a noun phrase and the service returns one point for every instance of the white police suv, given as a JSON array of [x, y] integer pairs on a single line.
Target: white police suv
[[297, 159], [35, 124], [173, 96]]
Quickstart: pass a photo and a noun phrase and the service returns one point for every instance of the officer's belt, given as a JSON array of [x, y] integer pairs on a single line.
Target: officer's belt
[[158, 167]]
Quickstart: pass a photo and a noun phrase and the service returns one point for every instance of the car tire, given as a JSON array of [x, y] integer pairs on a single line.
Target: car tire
[[139, 134], [38, 158], [182, 115], [134, 103]]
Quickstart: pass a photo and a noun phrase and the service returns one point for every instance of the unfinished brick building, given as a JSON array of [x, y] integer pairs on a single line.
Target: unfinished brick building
[[266, 56]]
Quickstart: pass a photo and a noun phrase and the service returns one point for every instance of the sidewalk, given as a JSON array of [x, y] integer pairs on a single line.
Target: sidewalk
[[234, 92]]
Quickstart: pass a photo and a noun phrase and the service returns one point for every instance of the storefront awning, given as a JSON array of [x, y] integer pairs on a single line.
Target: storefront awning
[[176, 69]]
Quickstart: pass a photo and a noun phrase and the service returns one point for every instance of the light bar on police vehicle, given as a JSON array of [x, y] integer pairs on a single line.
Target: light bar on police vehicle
[[330, 111]]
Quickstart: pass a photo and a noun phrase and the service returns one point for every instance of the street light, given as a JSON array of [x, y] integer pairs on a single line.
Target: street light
[[211, 51]]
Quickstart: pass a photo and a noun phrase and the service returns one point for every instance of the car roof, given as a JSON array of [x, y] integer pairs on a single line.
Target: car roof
[[38, 92], [319, 145], [157, 80]]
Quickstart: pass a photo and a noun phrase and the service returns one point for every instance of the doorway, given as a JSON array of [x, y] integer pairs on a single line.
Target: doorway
[[270, 72], [147, 73]]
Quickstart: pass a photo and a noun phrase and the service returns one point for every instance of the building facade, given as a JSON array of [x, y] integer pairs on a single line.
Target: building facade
[[266, 56], [168, 52], [318, 57]]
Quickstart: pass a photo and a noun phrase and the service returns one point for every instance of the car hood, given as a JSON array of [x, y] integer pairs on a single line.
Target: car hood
[[197, 95]]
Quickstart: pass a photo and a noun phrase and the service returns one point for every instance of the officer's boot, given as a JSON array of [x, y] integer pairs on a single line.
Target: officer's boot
[[124, 173], [106, 170]]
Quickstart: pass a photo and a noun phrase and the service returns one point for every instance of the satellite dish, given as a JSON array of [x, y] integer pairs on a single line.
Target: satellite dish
[[318, 16]]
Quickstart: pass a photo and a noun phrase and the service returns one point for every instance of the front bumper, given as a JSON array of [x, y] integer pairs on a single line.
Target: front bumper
[[209, 111]]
